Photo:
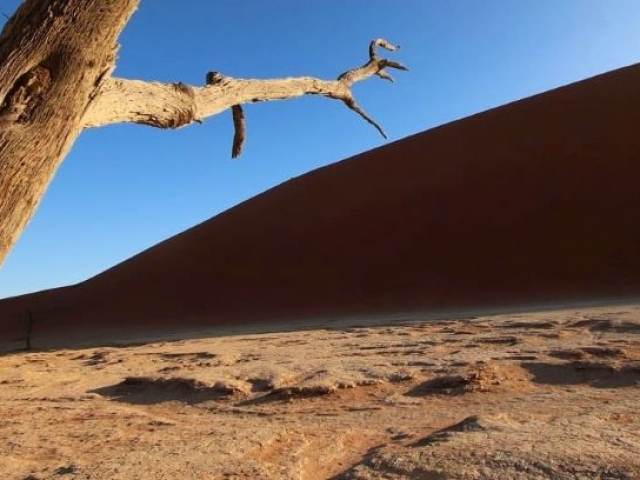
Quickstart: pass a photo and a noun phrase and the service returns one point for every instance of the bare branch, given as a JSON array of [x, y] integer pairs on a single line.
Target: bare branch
[[351, 103], [239, 128], [173, 105], [384, 75], [380, 42]]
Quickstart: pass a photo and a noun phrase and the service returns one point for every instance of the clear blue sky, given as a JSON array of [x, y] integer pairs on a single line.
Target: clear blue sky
[[124, 188]]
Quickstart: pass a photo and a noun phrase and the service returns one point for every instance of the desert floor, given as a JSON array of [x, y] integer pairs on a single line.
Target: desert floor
[[512, 396]]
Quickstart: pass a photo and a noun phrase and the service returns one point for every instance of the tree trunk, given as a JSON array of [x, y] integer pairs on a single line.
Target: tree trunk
[[53, 57], [56, 59]]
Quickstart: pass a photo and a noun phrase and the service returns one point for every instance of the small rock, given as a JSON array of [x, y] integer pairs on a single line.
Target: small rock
[[69, 469]]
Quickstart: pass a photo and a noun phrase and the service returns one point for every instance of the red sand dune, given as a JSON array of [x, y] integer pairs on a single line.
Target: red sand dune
[[534, 201]]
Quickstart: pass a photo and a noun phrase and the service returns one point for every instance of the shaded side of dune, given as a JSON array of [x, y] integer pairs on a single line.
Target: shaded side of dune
[[534, 201]]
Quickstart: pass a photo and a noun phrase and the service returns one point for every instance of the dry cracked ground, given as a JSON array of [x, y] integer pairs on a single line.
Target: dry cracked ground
[[514, 396]]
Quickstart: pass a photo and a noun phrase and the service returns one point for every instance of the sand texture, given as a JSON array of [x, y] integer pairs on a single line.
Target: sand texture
[[540, 395]]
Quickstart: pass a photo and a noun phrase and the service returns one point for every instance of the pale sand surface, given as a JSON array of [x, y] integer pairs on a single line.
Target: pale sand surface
[[550, 395]]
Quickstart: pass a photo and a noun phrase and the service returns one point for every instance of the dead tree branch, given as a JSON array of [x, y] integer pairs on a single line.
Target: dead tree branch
[[173, 105], [239, 128]]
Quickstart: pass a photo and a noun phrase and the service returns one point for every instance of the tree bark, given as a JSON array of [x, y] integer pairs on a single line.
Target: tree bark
[[56, 59], [53, 57]]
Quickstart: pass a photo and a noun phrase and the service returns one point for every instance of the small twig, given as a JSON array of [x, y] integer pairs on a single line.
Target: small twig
[[351, 103], [384, 75], [380, 42], [375, 66], [239, 127]]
